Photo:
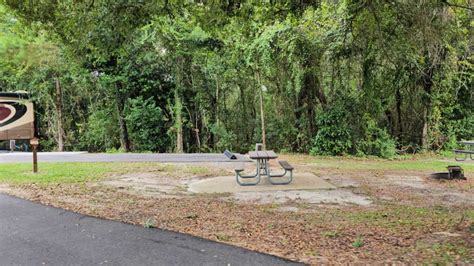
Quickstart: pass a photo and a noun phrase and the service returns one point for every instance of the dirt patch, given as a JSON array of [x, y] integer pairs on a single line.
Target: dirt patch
[[161, 180], [411, 181], [361, 187], [4, 188], [336, 196], [148, 184], [417, 189], [160, 185]]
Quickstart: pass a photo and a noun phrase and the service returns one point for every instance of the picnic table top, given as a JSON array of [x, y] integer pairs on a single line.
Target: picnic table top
[[466, 142], [263, 155]]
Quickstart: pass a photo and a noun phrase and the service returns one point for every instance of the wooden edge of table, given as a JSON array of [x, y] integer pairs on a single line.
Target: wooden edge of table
[[262, 155], [272, 155]]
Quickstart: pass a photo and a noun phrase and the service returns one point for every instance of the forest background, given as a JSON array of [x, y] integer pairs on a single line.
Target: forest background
[[361, 77]]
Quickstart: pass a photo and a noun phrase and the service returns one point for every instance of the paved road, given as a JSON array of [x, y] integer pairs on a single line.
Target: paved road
[[34, 234], [25, 157]]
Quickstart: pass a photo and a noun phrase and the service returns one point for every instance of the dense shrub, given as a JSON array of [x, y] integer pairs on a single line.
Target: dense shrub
[[225, 139], [376, 141], [146, 125], [333, 136], [101, 131]]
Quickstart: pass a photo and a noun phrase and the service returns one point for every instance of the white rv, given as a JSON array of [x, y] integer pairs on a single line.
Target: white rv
[[16, 116]]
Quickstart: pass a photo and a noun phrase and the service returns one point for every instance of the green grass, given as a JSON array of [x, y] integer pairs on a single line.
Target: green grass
[[198, 170], [50, 173], [395, 218], [434, 164], [359, 242], [448, 253], [331, 234], [223, 237], [402, 218], [469, 214], [150, 223], [81, 172], [54, 172]]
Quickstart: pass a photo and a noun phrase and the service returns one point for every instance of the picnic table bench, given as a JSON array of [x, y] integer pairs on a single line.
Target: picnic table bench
[[262, 159], [468, 149]]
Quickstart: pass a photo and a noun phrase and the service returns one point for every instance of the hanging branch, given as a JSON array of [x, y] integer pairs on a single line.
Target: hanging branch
[[456, 5]]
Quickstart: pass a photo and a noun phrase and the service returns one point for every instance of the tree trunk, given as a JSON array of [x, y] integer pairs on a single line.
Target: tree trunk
[[178, 121], [216, 136], [431, 66], [244, 114], [217, 101], [178, 106], [59, 113], [398, 98], [198, 139], [262, 115], [424, 133], [124, 138], [427, 80]]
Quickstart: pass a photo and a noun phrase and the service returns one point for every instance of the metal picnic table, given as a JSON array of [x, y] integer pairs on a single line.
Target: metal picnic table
[[262, 159], [468, 149]]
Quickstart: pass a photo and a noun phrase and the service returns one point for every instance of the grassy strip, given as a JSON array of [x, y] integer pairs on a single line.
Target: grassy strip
[[54, 172], [81, 172], [370, 164], [400, 218]]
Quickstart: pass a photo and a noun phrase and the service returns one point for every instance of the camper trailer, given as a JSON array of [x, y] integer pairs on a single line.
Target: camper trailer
[[16, 116]]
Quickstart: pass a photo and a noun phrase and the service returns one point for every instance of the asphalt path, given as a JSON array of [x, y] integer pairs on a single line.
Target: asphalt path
[[26, 157], [35, 234]]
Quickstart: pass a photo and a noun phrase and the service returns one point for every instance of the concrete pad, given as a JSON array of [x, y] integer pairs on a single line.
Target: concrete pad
[[227, 184]]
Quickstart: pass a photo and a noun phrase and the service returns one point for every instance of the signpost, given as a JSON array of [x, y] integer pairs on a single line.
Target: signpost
[[34, 144], [17, 120]]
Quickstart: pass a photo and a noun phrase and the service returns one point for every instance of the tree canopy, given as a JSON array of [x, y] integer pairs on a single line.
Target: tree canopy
[[336, 77]]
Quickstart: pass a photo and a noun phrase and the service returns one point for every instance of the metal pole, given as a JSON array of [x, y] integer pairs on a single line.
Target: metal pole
[[264, 142]]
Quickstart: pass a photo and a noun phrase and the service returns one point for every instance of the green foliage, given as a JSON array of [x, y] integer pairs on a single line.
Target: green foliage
[[225, 139], [341, 77], [146, 125], [359, 242], [334, 135], [150, 223], [459, 130], [100, 132], [376, 141]]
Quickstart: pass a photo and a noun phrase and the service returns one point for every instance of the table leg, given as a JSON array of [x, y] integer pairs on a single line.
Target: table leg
[[258, 169], [256, 177], [465, 155], [267, 168], [263, 166], [459, 159]]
